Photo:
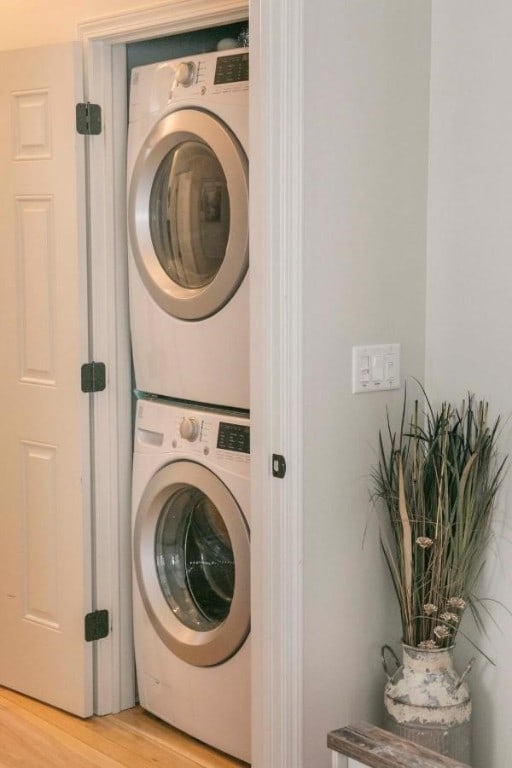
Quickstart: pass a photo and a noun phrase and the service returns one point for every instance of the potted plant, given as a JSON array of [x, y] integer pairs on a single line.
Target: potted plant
[[437, 478]]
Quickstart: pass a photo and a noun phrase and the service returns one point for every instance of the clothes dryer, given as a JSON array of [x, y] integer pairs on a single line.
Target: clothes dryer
[[188, 227], [191, 570]]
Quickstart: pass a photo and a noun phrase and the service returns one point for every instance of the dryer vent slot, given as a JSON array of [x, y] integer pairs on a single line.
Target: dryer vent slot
[[148, 437]]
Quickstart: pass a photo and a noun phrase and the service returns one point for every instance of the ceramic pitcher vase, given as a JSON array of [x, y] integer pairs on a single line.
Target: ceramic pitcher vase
[[426, 701]]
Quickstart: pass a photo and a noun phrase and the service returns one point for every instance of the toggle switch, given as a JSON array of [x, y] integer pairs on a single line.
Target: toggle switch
[[365, 368], [377, 372], [389, 367]]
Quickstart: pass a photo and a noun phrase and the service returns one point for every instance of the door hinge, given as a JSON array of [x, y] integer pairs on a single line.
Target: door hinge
[[97, 625], [93, 377], [278, 465], [88, 119]]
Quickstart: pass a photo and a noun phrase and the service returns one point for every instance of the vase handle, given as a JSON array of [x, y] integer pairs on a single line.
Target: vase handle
[[389, 649], [469, 667]]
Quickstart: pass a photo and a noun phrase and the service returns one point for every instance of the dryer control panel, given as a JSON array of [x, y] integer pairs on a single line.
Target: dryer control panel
[[213, 73], [221, 75], [233, 68]]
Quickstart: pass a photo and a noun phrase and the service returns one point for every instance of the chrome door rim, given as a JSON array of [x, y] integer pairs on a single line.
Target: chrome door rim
[[206, 648], [175, 128]]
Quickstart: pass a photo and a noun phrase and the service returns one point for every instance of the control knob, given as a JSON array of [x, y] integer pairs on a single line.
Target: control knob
[[189, 429], [185, 73]]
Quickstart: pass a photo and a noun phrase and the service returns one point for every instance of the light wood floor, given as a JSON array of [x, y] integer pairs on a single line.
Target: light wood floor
[[33, 735]]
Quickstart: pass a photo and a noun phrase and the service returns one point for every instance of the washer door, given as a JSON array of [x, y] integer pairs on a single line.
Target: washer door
[[188, 214], [192, 563]]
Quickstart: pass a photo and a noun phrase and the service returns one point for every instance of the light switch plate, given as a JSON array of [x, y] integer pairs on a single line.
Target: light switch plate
[[375, 367]]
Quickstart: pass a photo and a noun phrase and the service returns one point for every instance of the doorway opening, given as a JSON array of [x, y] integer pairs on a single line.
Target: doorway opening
[[276, 405], [110, 48]]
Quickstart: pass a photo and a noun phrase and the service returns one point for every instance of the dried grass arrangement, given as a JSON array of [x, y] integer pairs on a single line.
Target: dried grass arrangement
[[438, 478]]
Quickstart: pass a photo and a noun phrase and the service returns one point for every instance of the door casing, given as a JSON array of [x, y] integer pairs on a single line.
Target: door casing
[[276, 400]]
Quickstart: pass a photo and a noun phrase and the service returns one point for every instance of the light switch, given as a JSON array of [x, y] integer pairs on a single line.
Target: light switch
[[365, 368], [375, 367], [389, 367]]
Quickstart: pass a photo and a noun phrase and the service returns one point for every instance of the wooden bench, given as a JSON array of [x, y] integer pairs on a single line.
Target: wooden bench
[[367, 745]]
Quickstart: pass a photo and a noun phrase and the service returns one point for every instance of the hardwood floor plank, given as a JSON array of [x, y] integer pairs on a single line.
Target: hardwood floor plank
[[139, 749], [23, 742], [100, 733], [31, 732], [137, 720]]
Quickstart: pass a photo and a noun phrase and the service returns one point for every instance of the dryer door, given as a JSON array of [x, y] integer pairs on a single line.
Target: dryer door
[[192, 563], [188, 214]]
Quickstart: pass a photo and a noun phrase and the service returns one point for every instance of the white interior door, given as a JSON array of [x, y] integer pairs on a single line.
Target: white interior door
[[45, 557]]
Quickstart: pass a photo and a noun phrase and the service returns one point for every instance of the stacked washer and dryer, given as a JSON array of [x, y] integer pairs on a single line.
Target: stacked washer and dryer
[[189, 318]]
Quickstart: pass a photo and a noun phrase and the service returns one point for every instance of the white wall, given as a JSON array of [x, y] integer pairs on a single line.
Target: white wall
[[469, 307], [366, 139], [27, 23]]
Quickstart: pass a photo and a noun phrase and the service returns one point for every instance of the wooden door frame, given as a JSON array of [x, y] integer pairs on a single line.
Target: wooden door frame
[[276, 399]]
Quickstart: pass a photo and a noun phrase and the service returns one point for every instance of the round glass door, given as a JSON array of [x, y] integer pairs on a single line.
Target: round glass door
[[191, 554], [194, 560], [188, 214]]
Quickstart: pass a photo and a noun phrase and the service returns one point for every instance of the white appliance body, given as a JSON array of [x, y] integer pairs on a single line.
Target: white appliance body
[[191, 589], [188, 228]]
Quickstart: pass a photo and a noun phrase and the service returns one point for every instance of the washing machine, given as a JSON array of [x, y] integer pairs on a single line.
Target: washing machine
[[191, 559], [188, 227]]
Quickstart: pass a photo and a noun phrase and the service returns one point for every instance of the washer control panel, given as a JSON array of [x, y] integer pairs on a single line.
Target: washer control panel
[[207, 433], [166, 427]]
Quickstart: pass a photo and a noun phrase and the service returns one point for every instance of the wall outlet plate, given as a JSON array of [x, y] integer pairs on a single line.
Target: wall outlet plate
[[375, 367]]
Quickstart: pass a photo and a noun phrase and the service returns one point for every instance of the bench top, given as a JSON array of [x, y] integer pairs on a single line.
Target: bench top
[[377, 748]]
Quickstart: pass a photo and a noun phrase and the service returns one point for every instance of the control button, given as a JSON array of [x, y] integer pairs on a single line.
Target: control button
[[185, 73], [189, 429]]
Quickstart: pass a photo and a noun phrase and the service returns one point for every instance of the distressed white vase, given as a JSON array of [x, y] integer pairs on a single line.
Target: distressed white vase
[[426, 701]]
